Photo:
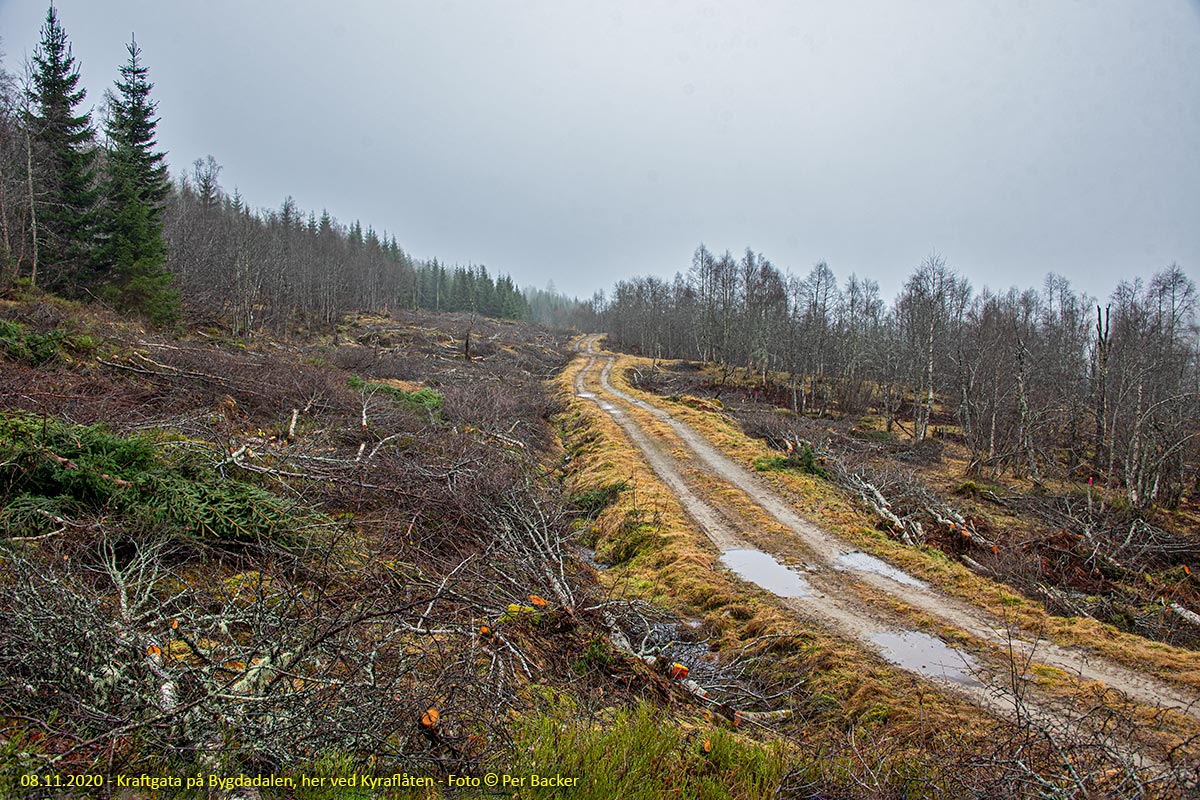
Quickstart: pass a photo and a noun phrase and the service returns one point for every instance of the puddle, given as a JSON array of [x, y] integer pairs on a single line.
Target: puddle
[[758, 567], [927, 655], [585, 394], [856, 561], [588, 556]]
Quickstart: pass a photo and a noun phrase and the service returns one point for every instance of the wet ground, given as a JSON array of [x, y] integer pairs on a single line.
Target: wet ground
[[762, 569], [834, 579]]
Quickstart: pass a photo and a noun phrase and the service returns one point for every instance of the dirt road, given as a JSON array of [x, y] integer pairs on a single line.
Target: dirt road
[[829, 588]]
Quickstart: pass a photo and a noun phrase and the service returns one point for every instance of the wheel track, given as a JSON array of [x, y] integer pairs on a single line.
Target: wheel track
[[836, 600]]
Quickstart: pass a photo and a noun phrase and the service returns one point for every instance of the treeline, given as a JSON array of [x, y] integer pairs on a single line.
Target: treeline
[[281, 268], [1036, 382], [91, 213]]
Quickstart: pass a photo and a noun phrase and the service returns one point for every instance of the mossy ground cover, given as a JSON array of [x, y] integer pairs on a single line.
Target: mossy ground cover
[[424, 397], [22, 344]]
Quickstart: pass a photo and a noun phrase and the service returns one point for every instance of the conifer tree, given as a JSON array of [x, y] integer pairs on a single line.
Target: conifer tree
[[134, 251], [65, 173]]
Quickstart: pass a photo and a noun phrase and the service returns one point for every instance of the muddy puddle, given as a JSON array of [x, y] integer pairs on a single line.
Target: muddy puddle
[[856, 561], [927, 655], [761, 569], [588, 556]]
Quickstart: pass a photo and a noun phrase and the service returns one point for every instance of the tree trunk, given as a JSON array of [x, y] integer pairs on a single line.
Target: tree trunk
[[1101, 410], [32, 209], [964, 409], [1024, 437], [8, 259], [923, 411], [1133, 461]]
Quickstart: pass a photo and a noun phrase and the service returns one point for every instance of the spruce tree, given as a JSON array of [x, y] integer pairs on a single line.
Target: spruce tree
[[66, 154], [134, 250]]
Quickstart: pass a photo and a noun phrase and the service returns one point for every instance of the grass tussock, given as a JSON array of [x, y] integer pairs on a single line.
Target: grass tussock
[[642, 754]]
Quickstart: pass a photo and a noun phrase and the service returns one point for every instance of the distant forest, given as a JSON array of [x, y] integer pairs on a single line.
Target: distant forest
[[1041, 383], [89, 211]]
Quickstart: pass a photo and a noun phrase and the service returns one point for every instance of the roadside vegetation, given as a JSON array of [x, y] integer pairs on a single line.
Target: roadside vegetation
[[1042, 438], [860, 728], [876, 493]]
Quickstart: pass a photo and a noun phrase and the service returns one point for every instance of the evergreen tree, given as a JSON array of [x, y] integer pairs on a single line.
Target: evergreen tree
[[131, 131], [134, 251], [66, 202]]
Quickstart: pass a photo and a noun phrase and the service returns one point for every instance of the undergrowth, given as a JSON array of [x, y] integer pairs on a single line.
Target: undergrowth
[[52, 473], [18, 343], [802, 460], [591, 500], [429, 399], [639, 754]]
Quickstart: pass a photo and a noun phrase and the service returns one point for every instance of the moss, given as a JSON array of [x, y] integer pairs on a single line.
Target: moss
[[803, 460], [426, 398], [631, 539], [592, 500]]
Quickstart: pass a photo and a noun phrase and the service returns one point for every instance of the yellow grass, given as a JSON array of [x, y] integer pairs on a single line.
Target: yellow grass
[[823, 503], [679, 569]]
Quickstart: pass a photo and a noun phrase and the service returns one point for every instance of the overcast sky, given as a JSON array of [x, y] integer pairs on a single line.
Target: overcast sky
[[585, 142]]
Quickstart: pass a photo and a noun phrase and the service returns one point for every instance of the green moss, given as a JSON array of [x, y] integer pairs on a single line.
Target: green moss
[[18, 343], [803, 460], [634, 537], [426, 398], [591, 501]]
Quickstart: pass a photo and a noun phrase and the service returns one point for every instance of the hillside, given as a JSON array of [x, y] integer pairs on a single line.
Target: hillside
[[319, 556], [404, 547]]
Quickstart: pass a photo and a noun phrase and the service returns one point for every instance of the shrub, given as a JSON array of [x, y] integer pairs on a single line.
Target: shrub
[[32, 348], [802, 460], [51, 470]]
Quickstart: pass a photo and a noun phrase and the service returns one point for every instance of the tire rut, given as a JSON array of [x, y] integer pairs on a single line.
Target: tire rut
[[835, 599]]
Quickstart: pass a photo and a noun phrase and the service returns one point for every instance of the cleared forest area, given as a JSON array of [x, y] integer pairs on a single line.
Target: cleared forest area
[[317, 556], [280, 500]]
